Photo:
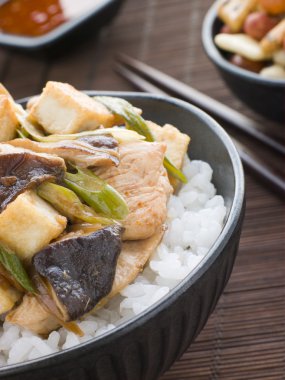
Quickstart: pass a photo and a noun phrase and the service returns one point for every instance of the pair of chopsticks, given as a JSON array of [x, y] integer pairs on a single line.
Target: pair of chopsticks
[[149, 79]]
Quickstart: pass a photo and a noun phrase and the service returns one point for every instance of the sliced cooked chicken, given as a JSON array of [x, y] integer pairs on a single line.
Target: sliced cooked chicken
[[32, 315], [132, 259], [142, 180]]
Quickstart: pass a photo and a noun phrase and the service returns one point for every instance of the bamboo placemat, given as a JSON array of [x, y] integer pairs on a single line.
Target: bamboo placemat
[[245, 336]]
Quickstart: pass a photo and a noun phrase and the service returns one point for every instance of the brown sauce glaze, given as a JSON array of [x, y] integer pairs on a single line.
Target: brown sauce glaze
[[34, 18]]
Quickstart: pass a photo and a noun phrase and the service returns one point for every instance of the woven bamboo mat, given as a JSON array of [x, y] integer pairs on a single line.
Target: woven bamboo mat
[[245, 337]]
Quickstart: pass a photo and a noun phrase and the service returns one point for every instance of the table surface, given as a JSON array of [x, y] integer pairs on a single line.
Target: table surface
[[245, 336]]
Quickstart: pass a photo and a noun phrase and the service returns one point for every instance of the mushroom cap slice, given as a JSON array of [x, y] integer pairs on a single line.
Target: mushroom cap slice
[[85, 152], [23, 170], [81, 269]]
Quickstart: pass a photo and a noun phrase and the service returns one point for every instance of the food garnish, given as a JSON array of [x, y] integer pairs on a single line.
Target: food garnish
[[120, 134], [14, 266], [103, 198], [68, 204]]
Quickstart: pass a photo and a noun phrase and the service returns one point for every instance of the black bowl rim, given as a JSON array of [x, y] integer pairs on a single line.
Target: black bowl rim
[[23, 42], [215, 55], [230, 226]]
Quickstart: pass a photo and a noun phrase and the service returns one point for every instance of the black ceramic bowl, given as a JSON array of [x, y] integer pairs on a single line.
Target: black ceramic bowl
[[147, 345], [265, 96], [69, 32]]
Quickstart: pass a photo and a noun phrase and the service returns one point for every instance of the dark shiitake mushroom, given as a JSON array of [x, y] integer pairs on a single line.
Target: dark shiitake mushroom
[[85, 152], [79, 271], [21, 170]]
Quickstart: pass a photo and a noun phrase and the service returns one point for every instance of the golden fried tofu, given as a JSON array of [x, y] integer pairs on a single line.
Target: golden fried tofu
[[8, 119], [8, 296], [234, 12], [33, 100], [176, 142], [28, 224], [62, 109]]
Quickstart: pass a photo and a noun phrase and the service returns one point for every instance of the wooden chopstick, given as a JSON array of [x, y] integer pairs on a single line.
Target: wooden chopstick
[[275, 182], [210, 105], [260, 170]]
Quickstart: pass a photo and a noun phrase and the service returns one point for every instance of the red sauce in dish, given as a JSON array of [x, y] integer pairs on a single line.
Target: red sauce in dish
[[37, 17]]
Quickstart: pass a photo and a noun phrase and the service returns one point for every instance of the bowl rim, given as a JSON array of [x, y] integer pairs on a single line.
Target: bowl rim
[[232, 222], [26, 42], [215, 55]]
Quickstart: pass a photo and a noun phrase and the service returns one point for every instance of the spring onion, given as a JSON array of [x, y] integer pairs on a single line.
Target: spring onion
[[122, 135], [102, 197], [14, 266], [68, 204]]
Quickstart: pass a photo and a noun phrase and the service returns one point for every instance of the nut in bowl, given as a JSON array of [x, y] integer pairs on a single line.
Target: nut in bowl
[[90, 254], [245, 40]]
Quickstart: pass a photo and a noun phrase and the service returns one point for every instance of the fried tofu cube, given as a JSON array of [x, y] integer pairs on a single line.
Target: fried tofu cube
[[176, 142], [61, 109], [8, 119], [28, 224], [8, 296]]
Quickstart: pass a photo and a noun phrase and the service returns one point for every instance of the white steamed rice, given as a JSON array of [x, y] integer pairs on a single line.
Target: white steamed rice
[[195, 220]]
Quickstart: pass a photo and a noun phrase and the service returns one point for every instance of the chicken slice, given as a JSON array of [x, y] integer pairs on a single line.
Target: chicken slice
[[131, 261], [32, 315], [142, 180]]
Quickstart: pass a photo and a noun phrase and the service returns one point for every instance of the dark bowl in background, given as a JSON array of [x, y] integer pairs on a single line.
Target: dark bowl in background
[[66, 34], [147, 345], [264, 96]]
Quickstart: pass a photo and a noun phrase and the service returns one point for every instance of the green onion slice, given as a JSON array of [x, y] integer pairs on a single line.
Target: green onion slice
[[67, 203], [14, 266], [102, 197]]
